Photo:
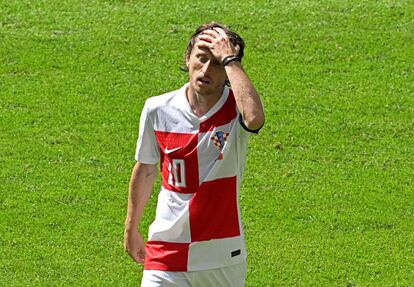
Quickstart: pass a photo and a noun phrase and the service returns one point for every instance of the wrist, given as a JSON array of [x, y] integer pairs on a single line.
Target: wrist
[[233, 64], [131, 224], [230, 59]]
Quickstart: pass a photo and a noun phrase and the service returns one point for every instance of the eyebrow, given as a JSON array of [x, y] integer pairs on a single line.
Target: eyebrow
[[201, 54], [202, 49]]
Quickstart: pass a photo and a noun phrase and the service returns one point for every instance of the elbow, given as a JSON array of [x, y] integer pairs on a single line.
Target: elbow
[[255, 122]]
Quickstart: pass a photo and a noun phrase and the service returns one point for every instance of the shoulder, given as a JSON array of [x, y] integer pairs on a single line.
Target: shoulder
[[159, 101], [166, 100]]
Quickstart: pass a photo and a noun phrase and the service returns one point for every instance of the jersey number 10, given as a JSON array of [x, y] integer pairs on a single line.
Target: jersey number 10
[[176, 171]]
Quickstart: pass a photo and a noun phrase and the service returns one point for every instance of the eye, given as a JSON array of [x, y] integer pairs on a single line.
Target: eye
[[203, 59]]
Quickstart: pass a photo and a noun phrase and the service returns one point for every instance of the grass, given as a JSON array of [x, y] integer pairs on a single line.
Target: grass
[[327, 198]]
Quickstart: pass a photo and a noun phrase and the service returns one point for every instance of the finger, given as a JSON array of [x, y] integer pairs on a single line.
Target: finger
[[224, 35], [136, 257], [139, 259], [202, 44], [237, 47], [140, 256], [131, 252], [205, 37], [211, 32], [221, 32]]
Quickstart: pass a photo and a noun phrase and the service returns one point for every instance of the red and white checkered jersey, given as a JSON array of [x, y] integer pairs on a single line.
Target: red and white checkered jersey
[[197, 224]]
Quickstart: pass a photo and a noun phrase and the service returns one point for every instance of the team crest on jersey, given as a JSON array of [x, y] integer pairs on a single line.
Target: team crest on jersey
[[219, 139]]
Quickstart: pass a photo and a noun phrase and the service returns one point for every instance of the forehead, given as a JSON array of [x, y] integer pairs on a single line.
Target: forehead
[[200, 50]]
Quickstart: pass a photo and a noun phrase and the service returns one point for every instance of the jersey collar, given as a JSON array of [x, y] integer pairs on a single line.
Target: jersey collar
[[217, 106]]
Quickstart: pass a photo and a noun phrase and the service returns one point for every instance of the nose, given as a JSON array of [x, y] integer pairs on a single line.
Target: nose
[[206, 67]]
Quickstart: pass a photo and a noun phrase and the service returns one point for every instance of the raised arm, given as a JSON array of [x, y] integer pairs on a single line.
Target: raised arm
[[140, 187], [247, 99]]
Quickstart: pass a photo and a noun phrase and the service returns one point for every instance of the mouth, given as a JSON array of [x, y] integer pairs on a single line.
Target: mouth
[[203, 80]]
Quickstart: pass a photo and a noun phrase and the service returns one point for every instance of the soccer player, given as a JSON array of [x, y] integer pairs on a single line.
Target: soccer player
[[199, 135]]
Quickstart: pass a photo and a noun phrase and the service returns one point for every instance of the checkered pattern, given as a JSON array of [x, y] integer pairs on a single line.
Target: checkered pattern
[[197, 224], [219, 139]]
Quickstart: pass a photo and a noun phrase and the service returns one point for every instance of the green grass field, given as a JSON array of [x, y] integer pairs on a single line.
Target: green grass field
[[327, 198]]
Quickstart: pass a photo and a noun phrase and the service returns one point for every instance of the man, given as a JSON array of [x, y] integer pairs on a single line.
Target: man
[[199, 135]]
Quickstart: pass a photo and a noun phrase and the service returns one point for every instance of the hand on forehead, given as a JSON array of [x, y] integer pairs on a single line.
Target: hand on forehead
[[200, 46], [209, 36], [216, 41], [214, 32]]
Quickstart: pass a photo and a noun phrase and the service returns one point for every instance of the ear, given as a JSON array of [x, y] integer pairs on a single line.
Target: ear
[[187, 60], [226, 81]]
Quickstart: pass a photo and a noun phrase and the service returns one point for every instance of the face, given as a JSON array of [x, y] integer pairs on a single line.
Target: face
[[207, 75]]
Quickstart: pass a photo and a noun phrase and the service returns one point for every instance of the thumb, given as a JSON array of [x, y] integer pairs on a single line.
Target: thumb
[[141, 255], [237, 48]]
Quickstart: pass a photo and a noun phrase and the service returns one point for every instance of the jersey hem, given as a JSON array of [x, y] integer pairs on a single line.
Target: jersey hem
[[235, 262]]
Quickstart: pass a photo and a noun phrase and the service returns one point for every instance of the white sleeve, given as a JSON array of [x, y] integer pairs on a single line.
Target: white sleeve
[[148, 150]]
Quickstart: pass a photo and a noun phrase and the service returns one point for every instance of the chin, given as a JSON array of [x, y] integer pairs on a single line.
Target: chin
[[205, 90], [199, 89]]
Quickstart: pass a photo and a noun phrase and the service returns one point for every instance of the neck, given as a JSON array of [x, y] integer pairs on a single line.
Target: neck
[[202, 103]]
